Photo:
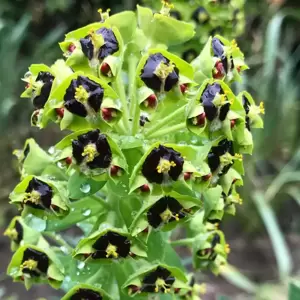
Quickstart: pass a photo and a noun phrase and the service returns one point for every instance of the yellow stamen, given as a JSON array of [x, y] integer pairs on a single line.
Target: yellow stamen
[[166, 7], [227, 248], [167, 215], [33, 197], [104, 15], [111, 250], [160, 283], [164, 166], [81, 94], [238, 156], [163, 70], [90, 152], [97, 39], [11, 233], [202, 16], [202, 289], [29, 264], [262, 108]]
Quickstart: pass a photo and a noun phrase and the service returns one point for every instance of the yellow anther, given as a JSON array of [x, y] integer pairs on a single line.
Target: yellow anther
[[167, 215], [216, 225], [223, 99], [163, 70], [81, 94], [111, 250], [160, 283], [164, 166], [227, 248], [202, 16], [167, 4], [29, 264], [11, 233], [234, 44], [202, 289], [238, 156], [262, 108], [104, 15], [33, 197], [90, 152]]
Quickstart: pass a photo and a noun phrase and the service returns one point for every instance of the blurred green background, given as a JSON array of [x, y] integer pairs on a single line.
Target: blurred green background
[[265, 234]]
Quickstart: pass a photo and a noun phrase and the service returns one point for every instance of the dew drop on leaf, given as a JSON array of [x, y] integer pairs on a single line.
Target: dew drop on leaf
[[85, 188], [81, 265], [87, 212]]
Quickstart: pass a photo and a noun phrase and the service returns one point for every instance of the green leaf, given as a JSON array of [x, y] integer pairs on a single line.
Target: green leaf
[[294, 290], [80, 186]]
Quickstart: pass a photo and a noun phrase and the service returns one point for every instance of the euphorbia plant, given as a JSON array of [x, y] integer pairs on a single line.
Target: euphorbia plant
[[156, 146]]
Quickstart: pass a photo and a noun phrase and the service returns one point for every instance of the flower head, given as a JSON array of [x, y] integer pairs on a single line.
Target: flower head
[[209, 252], [161, 164], [86, 294], [215, 102], [38, 194], [15, 233], [159, 280], [41, 89], [92, 149], [159, 73], [165, 210], [34, 263], [99, 44], [83, 96], [214, 156], [200, 16], [111, 245]]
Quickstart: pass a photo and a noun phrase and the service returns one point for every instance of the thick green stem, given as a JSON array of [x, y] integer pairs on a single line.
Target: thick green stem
[[134, 105], [167, 130], [58, 239], [165, 121], [122, 94]]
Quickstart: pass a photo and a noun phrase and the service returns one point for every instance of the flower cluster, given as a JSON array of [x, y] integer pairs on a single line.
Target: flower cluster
[[156, 145]]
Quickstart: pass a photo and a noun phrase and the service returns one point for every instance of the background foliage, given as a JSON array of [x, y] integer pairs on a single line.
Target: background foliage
[[264, 236]]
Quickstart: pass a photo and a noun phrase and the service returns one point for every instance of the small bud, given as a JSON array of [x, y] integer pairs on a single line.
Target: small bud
[[133, 289], [146, 230], [232, 123], [105, 69], [201, 119], [183, 88], [187, 175], [239, 69], [68, 160], [206, 177], [71, 47], [27, 86], [54, 207], [108, 113], [114, 170], [60, 112], [145, 188], [218, 72], [151, 101], [176, 290]]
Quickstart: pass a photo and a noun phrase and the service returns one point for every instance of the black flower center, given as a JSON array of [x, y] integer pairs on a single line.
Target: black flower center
[[42, 87], [214, 157], [86, 294], [83, 97], [99, 44], [161, 164], [92, 149], [215, 102], [38, 194], [111, 245], [165, 210], [246, 105], [176, 14], [159, 73], [159, 280], [200, 15], [34, 263]]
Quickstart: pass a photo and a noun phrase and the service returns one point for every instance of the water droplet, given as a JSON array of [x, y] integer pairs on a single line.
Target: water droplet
[[60, 165], [87, 212], [85, 188], [77, 273], [81, 265], [72, 209], [67, 278], [64, 249], [51, 150], [194, 140]]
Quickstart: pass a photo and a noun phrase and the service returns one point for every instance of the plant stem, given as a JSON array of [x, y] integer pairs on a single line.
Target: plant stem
[[167, 130], [58, 239], [165, 121], [121, 91], [134, 106]]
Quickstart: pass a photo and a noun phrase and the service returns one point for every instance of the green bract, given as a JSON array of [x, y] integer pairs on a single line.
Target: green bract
[[157, 145]]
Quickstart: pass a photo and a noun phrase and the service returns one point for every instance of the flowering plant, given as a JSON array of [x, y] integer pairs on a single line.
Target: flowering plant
[[156, 143]]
